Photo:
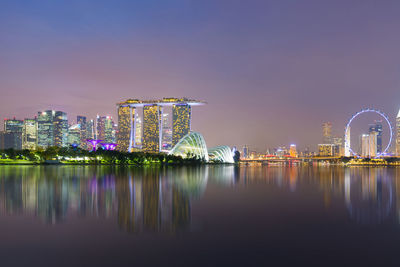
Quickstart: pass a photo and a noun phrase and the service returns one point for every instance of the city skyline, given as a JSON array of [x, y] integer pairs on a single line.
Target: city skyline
[[275, 68]]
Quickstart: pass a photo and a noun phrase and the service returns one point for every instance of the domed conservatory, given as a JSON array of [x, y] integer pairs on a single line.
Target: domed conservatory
[[194, 145]]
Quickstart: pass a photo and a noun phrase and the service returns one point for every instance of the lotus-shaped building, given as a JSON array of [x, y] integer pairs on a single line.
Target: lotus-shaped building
[[194, 145]]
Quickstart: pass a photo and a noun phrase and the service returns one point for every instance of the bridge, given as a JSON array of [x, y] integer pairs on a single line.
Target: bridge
[[290, 160]]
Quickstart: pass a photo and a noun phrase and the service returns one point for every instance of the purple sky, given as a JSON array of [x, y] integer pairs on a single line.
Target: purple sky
[[271, 71]]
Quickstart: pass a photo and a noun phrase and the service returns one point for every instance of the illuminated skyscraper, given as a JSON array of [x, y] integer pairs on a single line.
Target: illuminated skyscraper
[[125, 129], [377, 127], [347, 152], [74, 135], [293, 150], [29, 134], [369, 144], [143, 132], [90, 130], [365, 145], [60, 129], [14, 128], [166, 133], [81, 121], [398, 134], [327, 132], [181, 116], [373, 143], [138, 131], [45, 129], [52, 129], [105, 129], [245, 151], [152, 128]]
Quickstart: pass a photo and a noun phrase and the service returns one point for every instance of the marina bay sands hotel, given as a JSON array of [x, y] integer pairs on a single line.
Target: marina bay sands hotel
[[151, 126]]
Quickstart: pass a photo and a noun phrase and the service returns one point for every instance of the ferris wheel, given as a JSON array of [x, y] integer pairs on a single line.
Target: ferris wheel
[[347, 146]]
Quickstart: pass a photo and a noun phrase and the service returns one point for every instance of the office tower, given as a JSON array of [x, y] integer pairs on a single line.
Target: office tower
[[7, 140], [293, 150], [74, 135], [377, 127], [364, 145], [327, 132], [245, 152], [369, 144], [152, 128], [90, 130], [52, 129], [14, 128], [373, 144], [60, 129], [82, 122], [181, 120], [29, 134], [105, 129], [45, 129], [347, 143], [326, 150], [338, 142], [398, 134], [166, 132]]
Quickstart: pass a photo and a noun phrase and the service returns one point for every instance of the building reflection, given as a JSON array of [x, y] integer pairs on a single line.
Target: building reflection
[[160, 199], [143, 199], [370, 195]]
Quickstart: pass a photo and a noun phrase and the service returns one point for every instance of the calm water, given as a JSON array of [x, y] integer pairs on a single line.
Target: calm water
[[206, 216]]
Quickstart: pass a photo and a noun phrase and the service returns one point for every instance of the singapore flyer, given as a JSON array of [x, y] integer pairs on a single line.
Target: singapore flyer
[[348, 150]]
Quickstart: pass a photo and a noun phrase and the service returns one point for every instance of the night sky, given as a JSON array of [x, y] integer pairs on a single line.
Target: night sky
[[271, 71]]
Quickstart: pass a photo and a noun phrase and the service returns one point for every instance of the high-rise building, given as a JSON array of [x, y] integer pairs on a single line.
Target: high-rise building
[[125, 128], [82, 121], [338, 141], [369, 144], [166, 133], [60, 129], [293, 150], [245, 152], [152, 128], [373, 143], [347, 143], [328, 150], [14, 127], [136, 132], [105, 129], [364, 145], [90, 130], [181, 120], [7, 140], [29, 134], [398, 134], [74, 135], [52, 129], [377, 127], [327, 132], [45, 128]]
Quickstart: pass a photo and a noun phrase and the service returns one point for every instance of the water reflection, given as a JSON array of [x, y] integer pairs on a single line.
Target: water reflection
[[161, 199]]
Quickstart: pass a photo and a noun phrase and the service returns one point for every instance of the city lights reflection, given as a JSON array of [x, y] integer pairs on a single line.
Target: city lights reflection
[[161, 199]]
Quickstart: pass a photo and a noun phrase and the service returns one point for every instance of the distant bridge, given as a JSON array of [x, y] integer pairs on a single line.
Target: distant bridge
[[290, 160]]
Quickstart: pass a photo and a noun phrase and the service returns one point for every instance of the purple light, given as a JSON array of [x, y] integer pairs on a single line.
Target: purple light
[[94, 143], [109, 146]]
